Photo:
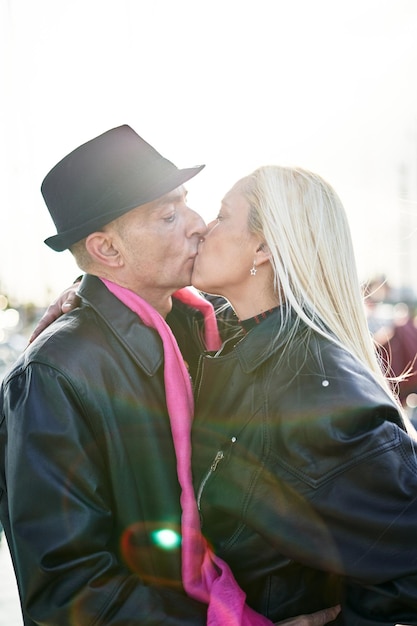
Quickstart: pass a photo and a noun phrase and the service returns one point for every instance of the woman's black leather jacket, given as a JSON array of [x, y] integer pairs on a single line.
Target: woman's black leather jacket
[[306, 479]]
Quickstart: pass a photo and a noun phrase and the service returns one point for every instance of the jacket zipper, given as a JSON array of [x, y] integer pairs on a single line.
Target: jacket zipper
[[219, 456]]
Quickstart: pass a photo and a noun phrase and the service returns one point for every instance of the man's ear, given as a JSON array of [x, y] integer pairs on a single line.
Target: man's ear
[[103, 249], [262, 254]]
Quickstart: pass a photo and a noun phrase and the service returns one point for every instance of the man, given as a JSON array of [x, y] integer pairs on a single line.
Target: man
[[89, 494], [88, 474]]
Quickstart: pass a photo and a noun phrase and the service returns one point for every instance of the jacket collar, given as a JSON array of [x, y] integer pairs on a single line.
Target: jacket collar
[[141, 342], [262, 342]]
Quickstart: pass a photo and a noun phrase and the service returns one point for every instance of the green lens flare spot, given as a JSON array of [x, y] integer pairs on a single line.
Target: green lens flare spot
[[166, 539]]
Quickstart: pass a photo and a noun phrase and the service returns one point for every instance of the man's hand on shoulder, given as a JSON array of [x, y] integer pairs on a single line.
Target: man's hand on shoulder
[[65, 302]]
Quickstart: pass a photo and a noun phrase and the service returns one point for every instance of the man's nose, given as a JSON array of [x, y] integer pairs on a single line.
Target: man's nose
[[197, 224]]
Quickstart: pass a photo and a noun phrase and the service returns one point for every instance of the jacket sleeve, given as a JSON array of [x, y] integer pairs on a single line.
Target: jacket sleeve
[[56, 505]]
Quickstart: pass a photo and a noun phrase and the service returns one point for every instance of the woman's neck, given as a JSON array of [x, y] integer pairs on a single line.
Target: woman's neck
[[246, 307]]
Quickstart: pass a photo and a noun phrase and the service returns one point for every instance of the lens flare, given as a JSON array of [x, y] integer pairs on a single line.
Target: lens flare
[[166, 538]]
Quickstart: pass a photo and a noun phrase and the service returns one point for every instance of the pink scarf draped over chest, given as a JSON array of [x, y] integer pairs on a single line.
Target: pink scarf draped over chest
[[206, 577]]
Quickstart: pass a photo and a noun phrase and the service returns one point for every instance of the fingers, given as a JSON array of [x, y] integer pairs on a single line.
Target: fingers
[[323, 617], [67, 301], [71, 302], [319, 618], [51, 314]]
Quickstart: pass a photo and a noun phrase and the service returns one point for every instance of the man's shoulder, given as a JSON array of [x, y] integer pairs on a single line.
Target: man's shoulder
[[72, 333], [84, 343]]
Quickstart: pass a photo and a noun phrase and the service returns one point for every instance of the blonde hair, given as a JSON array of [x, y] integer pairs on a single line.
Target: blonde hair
[[303, 222]]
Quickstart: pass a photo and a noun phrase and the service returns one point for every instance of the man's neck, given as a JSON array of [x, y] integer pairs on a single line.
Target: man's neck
[[159, 299], [163, 306]]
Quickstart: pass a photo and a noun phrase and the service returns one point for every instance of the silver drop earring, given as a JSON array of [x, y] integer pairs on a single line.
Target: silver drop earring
[[253, 269]]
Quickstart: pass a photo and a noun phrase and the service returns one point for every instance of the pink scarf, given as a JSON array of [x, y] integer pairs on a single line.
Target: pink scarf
[[206, 577]]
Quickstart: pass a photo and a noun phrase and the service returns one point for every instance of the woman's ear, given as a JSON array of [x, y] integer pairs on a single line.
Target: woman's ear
[[103, 249], [262, 254]]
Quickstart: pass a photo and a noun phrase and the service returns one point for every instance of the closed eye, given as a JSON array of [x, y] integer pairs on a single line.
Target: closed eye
[[170, 218]]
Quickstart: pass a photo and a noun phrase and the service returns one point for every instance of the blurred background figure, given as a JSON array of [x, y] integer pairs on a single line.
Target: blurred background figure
[[401, 354], [393, 324]]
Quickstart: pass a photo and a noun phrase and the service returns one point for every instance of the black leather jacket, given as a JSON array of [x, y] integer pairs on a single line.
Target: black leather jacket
[[306, 479], [88, 473]]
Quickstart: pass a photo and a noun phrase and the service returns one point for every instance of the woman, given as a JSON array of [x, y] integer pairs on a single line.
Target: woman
[[306, 478]]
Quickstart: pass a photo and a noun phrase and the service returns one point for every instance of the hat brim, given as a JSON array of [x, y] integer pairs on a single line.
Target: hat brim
[[64, 240]]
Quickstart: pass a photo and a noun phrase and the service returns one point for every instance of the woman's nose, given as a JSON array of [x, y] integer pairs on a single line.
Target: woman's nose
[[211, 226]]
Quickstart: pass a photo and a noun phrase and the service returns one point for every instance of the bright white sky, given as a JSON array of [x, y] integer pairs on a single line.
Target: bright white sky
[[329, 85]]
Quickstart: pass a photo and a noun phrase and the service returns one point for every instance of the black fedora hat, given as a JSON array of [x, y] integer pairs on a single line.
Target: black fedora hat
[[103, 179]]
